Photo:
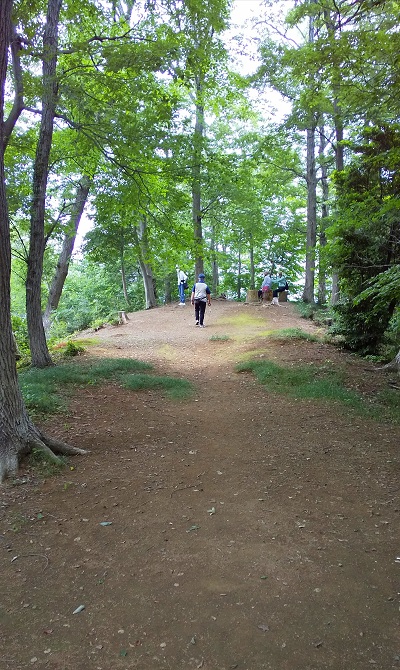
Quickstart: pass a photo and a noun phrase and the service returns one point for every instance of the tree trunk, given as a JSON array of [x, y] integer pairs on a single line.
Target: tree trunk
[[147, 271], [239, 277], [324, 216], [18, 436], [308, 293], [252, 271], [196, 179], [394, 364], [214, 263], [123, 279], [64, 258], [37, 338]]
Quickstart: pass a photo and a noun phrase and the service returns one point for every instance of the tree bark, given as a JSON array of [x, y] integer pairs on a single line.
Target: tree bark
[[67, 249], [324, 216], [308, 293], [196, 178], [393, 364], [146, 269], [18, 435], [37, 338], [214, 263]]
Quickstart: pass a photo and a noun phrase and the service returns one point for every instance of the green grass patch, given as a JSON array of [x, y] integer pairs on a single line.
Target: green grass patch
[[219, 338], [173, 387], [45, 390], [312, 382], [294, 334]]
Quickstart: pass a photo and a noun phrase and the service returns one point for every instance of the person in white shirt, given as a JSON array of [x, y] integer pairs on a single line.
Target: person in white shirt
[[201, 296], [182, 279]]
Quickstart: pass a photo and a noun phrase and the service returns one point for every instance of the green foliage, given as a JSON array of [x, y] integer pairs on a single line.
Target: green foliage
[[91, 297], [73, 349], [364, 246], [20, 331]]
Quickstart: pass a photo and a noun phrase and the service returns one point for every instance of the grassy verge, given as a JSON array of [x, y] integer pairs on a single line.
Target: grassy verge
[[322, 383], [46, 391]]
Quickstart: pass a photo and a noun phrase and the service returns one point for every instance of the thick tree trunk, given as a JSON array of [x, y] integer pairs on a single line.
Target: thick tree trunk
[[37, 338], [64, 258], [18, 435]]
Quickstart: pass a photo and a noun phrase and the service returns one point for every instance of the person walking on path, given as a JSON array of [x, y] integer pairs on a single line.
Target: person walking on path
[[201, 296], [182, 279], [279, 284]]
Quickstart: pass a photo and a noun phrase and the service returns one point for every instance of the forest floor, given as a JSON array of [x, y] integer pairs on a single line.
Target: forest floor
[[244, 529]]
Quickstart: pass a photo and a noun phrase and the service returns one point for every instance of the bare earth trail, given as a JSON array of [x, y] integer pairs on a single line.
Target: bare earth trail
[[245, 530]]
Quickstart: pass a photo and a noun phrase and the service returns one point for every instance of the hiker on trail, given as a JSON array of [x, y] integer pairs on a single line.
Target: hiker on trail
[[279, 284], [266, 285], [201, 296], [182, 285]]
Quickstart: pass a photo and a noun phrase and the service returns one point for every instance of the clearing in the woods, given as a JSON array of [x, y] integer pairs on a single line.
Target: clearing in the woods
[[237, 528]]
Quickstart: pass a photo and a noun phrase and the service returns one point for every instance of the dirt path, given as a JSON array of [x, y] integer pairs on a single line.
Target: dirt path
[[244, 530]]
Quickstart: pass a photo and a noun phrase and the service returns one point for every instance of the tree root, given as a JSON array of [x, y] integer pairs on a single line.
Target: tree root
[[50, 447], [63, 448]]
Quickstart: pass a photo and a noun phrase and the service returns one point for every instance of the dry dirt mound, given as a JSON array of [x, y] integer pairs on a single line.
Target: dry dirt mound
[[234, 529]]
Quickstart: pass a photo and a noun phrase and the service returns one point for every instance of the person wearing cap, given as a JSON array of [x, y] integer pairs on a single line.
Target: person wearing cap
[[182, 279], [201, 296]]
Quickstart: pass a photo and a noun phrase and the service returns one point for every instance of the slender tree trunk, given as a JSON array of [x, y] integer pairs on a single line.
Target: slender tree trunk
[[146, 269], [67, 249], [123, 279], [324, 216], [214, 263], [18, 435], [37, 338], [239, 277], [339, 155], [196, 179], [252, 271], [308, 293]]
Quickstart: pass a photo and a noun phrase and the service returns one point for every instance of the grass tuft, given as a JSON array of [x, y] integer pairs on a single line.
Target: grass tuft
[[321, 383], [294, 334], [174, 388], [219, 338], [45, 390]]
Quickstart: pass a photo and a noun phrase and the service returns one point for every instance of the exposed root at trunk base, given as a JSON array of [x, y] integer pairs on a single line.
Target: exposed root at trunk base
[[50, 447]]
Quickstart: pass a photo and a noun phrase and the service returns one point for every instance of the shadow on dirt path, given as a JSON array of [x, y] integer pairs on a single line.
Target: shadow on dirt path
[[244, 530]]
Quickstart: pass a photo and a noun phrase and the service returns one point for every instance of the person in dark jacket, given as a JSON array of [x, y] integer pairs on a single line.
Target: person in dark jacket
[[201, 296]]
